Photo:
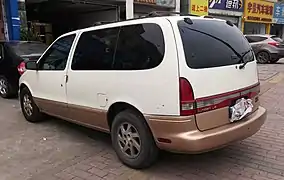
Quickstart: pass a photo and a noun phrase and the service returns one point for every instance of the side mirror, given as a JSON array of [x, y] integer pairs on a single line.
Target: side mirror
[[31, 65]]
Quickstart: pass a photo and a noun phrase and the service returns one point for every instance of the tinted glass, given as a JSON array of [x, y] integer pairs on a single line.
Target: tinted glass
[[139, 47], [95, 50], [212, 43], [26, 48], [253, 39], [278, 39], [57, 55]]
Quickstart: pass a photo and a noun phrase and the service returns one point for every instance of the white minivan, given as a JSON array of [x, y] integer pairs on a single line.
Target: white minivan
[[179, 83]]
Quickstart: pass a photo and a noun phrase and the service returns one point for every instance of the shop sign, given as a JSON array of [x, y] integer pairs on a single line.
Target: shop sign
[[199, 7], [164, 3], [278, 14], [231, 5], [258, 11]]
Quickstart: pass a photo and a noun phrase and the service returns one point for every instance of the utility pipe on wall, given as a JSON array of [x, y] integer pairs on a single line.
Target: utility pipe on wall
[[129, 9]]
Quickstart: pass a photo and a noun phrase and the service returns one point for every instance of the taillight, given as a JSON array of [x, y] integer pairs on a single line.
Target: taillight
[[190, 106], [276, 44], [226, 99], [187, 102], [22, 68]]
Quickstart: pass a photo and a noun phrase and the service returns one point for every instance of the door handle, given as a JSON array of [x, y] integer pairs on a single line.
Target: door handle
[[66, 78]]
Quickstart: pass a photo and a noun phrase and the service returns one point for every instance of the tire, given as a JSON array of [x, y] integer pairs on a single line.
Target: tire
[[148, 149], [263, 57], [6, 89], [26, 100]]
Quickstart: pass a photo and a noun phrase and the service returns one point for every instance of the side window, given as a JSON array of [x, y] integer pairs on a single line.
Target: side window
[[95, 50], [213, 53], [57, 55], [139, 47], [256, 39], [249, 39]]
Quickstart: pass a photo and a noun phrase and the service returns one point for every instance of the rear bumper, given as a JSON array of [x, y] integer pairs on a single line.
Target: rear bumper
[[276, 56], [182, 135]]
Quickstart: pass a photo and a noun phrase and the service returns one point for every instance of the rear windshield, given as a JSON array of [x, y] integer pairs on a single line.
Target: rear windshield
[[213, 43], [26, 48]]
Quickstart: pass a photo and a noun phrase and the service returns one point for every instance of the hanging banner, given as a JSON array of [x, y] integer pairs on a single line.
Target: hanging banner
[[199, 7]]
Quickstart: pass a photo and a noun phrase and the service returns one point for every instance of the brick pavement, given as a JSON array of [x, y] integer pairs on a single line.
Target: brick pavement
[[260, 157], [74, 153]]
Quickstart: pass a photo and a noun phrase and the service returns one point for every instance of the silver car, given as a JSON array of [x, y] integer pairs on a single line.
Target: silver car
[[267, 48]]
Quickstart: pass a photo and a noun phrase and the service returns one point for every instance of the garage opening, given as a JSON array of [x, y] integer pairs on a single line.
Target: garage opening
[[49, 19]]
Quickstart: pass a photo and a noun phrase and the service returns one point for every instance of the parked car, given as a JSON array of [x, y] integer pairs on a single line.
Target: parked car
[[267, 48], [177, 83], [13, 56]]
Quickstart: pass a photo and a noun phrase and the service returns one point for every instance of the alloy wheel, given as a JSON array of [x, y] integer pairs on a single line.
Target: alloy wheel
[[263, 57], [27, 105], [3, 86], [129, 140]]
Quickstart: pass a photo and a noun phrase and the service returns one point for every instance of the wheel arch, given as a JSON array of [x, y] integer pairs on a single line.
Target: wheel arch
[[120, 106], [24, 85]]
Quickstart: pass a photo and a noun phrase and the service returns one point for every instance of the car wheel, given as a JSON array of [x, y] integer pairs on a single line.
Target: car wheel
[[132, 140], [28, 106], [263, 57], [6, 89]]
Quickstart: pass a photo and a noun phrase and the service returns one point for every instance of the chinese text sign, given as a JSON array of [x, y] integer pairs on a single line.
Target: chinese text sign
[[278, 14], [232, 5], [199, 7], [258, 11]]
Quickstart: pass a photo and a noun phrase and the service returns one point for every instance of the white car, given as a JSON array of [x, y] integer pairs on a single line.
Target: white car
[[178, 83]]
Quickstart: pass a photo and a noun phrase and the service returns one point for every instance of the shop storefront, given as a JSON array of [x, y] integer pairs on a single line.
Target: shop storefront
[[277, 27], [258, 15], [231, 10], [67, 15]]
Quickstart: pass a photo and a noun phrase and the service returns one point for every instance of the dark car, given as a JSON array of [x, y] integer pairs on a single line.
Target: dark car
[[13, 56], [267, 48]]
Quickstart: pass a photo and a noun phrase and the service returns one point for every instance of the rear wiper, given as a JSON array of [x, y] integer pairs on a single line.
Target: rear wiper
[[242, 59]]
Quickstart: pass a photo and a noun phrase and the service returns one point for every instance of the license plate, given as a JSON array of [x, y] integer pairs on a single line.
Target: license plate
[[240, 109]]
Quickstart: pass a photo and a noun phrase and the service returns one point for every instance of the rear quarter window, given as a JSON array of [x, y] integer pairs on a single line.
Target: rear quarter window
[[253, 39], [209, 44], [277, 39]]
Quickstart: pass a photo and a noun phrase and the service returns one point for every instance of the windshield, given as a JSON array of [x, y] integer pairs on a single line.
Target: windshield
[[213, 43], [26, 48]]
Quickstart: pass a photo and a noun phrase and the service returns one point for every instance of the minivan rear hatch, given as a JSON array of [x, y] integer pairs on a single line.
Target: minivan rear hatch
[[219, 66]]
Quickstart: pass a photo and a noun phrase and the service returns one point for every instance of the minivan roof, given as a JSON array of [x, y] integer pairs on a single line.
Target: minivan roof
[[170, 18]]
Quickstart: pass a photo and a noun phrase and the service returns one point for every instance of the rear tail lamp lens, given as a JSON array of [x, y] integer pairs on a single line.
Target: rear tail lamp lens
[[22, 68], [276, 44], [187, 102]]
